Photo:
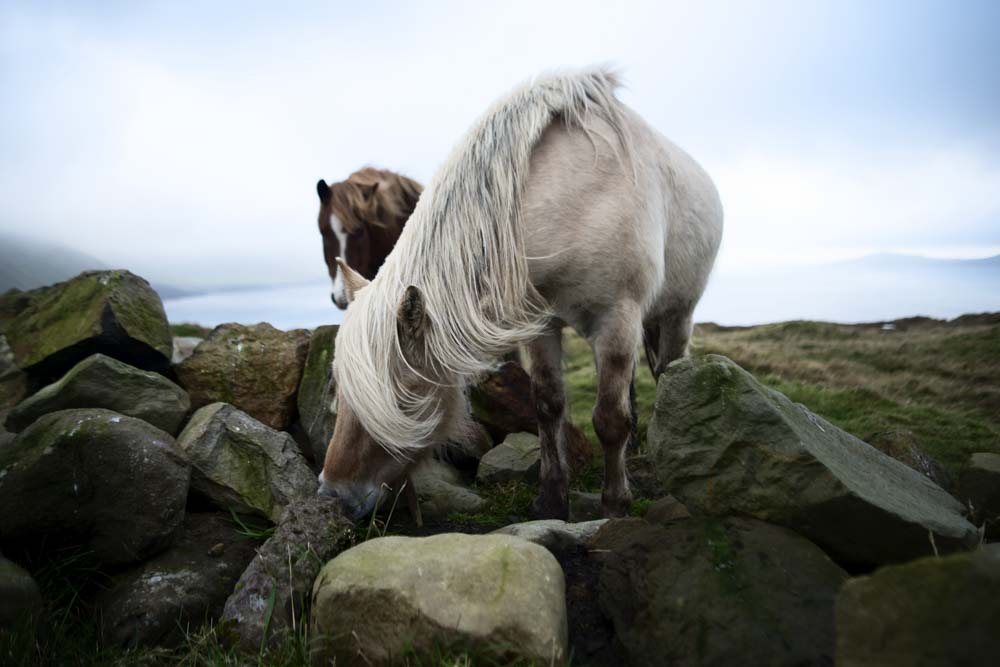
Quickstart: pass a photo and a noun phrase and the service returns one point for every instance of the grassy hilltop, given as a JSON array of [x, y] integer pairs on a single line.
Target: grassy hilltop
[[940, 380]]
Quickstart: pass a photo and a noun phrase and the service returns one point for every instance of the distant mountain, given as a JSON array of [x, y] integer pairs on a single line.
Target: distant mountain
[[27, 263], [882, 287], [898, 262]]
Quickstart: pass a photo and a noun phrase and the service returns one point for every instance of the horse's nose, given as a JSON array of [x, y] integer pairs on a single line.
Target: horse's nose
[[333, 297], [326, 490]]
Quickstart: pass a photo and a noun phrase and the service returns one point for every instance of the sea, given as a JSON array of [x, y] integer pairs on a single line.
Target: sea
[[874, 289]]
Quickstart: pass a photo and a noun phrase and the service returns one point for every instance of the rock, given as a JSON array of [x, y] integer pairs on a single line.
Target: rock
[[491, 594], [731, 591], [666, 510], [183, 348], [933, 611], [242, 465], [317, 391], [112, 312], [156, 603], [92, 477], [255, 368], [556, 535], [502, 402], [584, 506], [517, 457], [441, 492], [723, 443], [102, 382], [19, 595], [902, 446], [979, 486], [466, 450], [13, 383], [310, 532]]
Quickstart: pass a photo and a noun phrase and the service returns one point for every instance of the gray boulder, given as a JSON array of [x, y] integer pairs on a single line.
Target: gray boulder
[[492, 594], [158, 602], [280, 579], [979, 486], [19, 595], [94, 477], [517, 457], [317, 391], [113, 312], [102, 382], [933, 611], [556, 535], [730, 591], [440, 491], [255, 368], [723, 443], [242, 465]]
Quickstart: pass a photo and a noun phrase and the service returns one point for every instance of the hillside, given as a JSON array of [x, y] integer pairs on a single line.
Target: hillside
[[938, 379]]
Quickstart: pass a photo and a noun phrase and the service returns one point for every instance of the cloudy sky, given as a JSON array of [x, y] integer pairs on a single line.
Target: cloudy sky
[[184, 141]]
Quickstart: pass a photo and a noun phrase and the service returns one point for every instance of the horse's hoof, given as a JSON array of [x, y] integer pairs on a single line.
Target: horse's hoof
[[550, 508]]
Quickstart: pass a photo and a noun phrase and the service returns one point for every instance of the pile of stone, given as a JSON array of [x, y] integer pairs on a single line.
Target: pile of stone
[[187, 469]]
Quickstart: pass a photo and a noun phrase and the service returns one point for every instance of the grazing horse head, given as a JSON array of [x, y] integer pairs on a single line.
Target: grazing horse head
[[360, 469], [360, 220]]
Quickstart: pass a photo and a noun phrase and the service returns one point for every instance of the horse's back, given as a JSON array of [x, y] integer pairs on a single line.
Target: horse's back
[[605, 228]]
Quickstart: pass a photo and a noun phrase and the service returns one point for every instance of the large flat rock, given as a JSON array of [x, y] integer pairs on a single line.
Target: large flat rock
[[723, 443]]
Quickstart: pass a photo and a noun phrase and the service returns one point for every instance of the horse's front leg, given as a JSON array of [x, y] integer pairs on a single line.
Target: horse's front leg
[[615, 354], [549, 397]]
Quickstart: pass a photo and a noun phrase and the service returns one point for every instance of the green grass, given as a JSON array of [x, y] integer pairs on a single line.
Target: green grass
[[939, 380], [506, 503]]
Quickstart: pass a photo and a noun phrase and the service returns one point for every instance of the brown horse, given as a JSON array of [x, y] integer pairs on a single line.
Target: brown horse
[[360, 220]]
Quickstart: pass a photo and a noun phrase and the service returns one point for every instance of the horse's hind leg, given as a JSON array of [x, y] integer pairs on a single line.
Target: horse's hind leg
[[549, 396], [666, 336], [614, 354]]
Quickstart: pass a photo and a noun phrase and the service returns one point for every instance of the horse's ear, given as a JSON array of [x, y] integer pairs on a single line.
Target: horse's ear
[[323, 190], [411, 315], [368, 190], [354, 282]]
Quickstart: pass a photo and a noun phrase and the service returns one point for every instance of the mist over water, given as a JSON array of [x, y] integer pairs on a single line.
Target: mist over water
[[868, 290]]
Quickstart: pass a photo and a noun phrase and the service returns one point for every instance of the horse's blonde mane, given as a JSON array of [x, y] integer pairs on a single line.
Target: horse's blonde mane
[[463, 249]]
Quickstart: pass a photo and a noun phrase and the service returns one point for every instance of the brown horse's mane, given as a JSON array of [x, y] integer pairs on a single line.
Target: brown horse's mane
[[394, 198]]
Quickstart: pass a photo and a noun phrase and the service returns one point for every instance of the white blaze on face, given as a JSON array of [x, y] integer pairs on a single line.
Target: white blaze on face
[[339, 291]]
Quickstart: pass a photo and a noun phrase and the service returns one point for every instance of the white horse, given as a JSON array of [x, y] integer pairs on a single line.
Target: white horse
[[561, 205]]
